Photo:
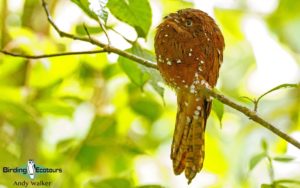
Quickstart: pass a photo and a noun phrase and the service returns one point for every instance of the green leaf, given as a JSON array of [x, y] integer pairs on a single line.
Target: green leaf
[[264, 145], [112, 183], [287, 181], [16, 114], [84, 5], [80, 30], [256, 159], [155, 78], [55, 107], [133, 70], [218, 108], [146, 107], [136, 13], [7, 67], [266, 186], [66, 145], [283, 159], [93, 9], [99, 8]]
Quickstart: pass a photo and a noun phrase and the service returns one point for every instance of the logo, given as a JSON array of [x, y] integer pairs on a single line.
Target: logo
[[32, 172]]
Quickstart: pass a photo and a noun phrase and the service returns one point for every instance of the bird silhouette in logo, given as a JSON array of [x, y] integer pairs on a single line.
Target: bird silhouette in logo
[[31, 168]]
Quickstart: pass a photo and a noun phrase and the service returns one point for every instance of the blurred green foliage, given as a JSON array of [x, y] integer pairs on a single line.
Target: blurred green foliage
[[108, 121]]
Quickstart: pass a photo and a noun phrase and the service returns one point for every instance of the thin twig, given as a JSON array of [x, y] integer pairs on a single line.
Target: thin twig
[[126, 39], [274, 89], [50, 55], [87, 31], [104, 30]]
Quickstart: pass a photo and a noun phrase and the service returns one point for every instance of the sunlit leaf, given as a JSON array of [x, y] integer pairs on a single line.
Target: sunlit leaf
[[66, 145], [290, 182], [264, 145], [274, 185], [11, 94], [256, 159], [283, 159], [136, 13], [103, 127], [7, 67], [84, 5], [16, 114], [80, 30], [99, 8], [218, 108], [266, 186], [55, 107], [46, 72]]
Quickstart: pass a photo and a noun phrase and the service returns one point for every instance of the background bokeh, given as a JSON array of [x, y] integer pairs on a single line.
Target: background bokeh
[[108, 122]]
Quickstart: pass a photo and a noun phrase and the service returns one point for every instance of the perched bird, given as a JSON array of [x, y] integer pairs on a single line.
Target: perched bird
[[189, 50]]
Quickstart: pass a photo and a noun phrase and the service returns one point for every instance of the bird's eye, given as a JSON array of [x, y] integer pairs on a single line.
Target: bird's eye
[[188, 23]]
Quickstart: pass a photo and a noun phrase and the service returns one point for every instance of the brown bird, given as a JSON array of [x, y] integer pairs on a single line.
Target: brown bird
[[189, 51]]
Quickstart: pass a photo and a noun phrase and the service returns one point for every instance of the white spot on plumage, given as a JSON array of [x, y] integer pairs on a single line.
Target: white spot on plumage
[[192, 88], [202, 62], [169, 62], [199, 108], [190, 54], [204, 83], [178, 61], [166, 35]]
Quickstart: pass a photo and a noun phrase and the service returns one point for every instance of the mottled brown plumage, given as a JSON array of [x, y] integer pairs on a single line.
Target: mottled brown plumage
[[189, 49]]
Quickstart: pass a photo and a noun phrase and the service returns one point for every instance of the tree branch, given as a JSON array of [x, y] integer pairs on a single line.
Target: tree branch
[[51, 55], [108, 48], [253, 116]]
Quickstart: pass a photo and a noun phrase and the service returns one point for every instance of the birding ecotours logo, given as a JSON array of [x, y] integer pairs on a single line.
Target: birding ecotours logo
[[31, 170]]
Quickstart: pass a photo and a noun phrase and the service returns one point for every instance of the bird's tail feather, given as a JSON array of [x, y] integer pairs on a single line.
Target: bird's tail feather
[[188, 141]]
